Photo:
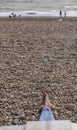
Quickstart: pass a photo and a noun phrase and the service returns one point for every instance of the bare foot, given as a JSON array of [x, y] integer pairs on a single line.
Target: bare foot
[[46, 101]]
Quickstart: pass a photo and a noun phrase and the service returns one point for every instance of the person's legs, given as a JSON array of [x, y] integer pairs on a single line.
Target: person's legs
[[46, 113]]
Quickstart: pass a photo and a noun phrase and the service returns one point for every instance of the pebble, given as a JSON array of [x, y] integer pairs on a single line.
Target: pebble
[[21, 117], [15, 122]]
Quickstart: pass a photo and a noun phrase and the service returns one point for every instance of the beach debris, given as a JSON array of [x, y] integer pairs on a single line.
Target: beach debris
[[59, 20], [9, 16], [12, 15]]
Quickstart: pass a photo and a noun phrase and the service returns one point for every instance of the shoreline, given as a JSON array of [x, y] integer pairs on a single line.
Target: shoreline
[[53, 13], [38, 18]]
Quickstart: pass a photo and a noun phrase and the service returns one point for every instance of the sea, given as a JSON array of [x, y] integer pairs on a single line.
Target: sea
[[38, 7]]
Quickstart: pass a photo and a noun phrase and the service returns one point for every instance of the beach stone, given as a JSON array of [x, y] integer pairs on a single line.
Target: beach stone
[[8, 113], [22, 116], [15, 121]]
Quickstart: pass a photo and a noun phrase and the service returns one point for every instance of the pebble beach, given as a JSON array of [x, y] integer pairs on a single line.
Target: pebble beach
[[37, 54]]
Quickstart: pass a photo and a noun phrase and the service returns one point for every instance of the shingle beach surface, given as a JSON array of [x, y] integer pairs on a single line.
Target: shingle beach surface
[[37, 55]]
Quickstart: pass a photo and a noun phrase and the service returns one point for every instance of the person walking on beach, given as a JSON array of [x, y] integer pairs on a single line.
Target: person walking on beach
[[65, 13], [46, 113], [60, 13]]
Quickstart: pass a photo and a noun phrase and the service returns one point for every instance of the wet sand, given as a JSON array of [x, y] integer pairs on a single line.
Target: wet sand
[[36, 55]]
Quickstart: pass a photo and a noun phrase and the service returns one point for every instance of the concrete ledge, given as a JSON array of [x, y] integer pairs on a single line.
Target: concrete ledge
[[17, 127], [74, 126], [48, 125], [43, 125]]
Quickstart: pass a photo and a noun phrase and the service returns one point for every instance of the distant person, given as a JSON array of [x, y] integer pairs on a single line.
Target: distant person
[[60, 13], [65, 13], [46, 113]]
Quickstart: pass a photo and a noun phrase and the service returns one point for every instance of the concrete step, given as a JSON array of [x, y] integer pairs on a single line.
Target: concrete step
[[17, 127], [43, 125], [49, 125], [74, 126]]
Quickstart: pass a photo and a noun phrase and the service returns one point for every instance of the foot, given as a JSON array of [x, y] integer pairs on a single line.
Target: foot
[[46, 101]]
